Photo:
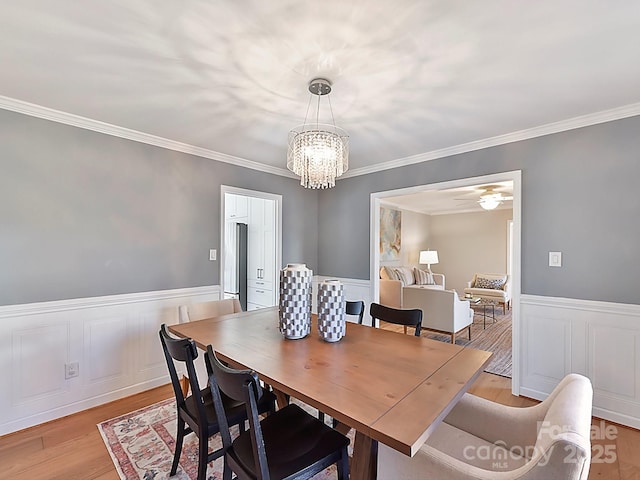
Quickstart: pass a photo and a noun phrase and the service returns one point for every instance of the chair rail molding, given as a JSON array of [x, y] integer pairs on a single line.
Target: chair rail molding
[[43, 338], [600, 340]]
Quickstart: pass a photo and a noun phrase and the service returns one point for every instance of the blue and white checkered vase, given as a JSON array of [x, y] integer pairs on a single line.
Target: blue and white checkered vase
[[331, 303], [295, 301]]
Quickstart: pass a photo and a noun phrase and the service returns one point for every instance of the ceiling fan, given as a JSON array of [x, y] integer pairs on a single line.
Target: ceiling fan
[[490, 198]]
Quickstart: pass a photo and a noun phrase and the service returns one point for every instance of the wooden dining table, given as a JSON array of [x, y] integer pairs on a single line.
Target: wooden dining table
[[389, 387]]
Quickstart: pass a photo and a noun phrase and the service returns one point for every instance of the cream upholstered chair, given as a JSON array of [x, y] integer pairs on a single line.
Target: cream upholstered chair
[[494, 287], [443, 311], [199, 311], [480, 439]]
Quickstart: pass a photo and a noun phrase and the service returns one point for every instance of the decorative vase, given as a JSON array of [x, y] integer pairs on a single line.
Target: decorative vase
[[331, 317], [295, 301]]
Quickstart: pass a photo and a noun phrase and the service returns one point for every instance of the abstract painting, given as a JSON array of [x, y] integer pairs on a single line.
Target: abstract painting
[[390, 234]]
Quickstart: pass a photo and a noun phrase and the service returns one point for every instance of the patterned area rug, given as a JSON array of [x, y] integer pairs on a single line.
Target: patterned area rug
[[493, 337], [141, 445]]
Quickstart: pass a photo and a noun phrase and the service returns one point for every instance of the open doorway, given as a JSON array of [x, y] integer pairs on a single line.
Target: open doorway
[[251, 246], [378, 199]]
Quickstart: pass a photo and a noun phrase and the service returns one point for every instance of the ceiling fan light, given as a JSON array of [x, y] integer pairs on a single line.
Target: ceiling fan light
[[490, 201]]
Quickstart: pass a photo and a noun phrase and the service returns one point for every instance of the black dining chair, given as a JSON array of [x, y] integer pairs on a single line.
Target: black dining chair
[[355, 308], [196, 413], [408, 318], [289, 444]]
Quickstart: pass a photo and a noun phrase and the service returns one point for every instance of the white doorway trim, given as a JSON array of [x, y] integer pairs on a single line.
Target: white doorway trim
[[514, 176], [278, 226]]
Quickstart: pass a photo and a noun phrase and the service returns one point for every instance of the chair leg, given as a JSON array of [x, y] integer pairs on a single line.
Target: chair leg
[[226, 472], [343, 465], [179, 439], [203, 454]]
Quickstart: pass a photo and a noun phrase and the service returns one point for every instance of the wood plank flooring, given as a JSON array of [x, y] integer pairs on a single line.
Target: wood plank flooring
[[72, 448]]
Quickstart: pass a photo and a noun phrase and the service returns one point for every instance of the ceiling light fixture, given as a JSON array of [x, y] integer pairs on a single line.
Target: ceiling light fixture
[[489, 201], [318, 153]]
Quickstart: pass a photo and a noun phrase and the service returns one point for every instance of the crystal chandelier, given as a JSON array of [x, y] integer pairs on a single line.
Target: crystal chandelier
[[318, 153]]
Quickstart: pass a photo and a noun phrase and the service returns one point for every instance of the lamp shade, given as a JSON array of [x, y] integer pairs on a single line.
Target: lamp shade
[[430, 257]]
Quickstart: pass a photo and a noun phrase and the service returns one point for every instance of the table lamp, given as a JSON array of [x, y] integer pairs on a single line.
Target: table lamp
[[428, 257]]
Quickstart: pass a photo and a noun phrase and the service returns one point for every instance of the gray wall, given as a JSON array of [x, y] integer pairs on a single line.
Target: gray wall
[[85, 214], [580, 196]]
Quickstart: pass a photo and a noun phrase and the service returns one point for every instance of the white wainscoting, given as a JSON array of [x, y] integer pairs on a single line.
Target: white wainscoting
[[114, 339], [597, 339], [115, 342]]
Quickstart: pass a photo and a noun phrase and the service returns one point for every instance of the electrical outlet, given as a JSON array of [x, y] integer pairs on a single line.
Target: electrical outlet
[[213, 254], [71, 370]]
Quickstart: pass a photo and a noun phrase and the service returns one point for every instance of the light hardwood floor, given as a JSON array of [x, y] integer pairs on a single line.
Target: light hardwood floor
[[72, 448]]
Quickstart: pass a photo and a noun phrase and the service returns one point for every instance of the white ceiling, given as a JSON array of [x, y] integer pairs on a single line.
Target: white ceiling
[[451, 200], [410, 77]]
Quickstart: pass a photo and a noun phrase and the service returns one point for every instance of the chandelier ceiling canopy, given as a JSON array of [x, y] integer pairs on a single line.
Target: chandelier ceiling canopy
[[318, 153]]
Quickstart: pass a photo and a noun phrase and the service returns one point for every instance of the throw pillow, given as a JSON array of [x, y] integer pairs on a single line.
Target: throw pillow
[[490, 283], [407, 276], [423, 277], [384, 273], [403, 277]]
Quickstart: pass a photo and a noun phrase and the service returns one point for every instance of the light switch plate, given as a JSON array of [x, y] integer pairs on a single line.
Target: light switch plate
[[555, 259], [213, 254]]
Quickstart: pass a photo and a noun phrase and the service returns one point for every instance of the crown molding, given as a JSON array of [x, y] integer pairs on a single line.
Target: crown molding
[[45, 113], [540, 131]]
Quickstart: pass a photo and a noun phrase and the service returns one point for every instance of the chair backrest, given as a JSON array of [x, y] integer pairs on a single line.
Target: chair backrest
[[355, 308], [412, 317], [565, 432], [242, 386], [215, 308], [183, 351], [443, 309]]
